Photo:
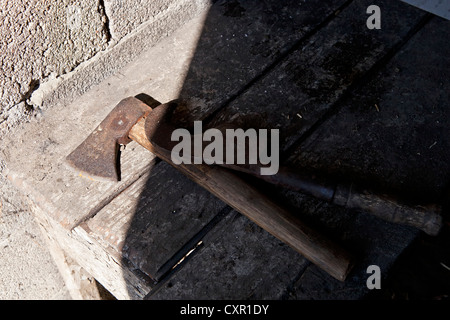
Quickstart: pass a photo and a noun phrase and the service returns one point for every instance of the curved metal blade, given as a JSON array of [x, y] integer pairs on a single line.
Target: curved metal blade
[[98, 155]]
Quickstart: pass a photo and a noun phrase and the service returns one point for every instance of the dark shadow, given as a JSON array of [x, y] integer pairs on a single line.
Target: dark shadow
[[257, 65]]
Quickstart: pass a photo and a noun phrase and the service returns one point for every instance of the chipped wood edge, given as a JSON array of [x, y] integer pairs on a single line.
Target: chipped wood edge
[[90, 255]]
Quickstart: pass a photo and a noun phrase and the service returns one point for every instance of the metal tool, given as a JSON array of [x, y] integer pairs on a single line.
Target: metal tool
[[387, 207], [98, 155], [134, 120]]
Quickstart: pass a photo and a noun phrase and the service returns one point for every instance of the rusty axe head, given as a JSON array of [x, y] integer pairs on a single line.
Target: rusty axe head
[[98, 155]]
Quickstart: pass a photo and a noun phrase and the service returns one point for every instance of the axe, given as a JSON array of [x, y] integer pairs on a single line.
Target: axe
[[133, 119]]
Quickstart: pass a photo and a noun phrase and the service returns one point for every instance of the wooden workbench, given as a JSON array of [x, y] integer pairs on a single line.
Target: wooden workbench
[[349, 101]]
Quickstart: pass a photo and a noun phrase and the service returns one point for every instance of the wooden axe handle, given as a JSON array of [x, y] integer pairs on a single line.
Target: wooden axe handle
[[246, 199]]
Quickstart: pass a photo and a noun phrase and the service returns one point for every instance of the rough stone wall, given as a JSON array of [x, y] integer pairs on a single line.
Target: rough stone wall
[[43, 39], [51, 51]]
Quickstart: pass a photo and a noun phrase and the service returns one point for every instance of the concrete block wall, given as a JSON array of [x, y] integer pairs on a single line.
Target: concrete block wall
[[56, 50], [127, 15], [43, 39]]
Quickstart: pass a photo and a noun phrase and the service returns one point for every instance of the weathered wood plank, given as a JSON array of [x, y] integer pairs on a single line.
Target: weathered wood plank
[[383, 134], [362, 139], [69, 199], [147, 228], [374, 241], [295, 95], [244, 262], [393, 130], [242, 40], [92, 256]]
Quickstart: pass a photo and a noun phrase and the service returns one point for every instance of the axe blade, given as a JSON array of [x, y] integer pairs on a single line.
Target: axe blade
[[98, 155]]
